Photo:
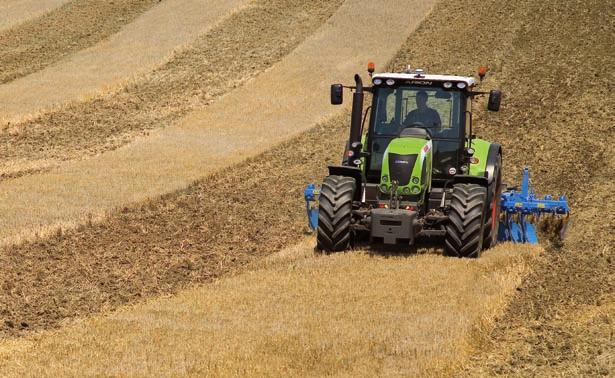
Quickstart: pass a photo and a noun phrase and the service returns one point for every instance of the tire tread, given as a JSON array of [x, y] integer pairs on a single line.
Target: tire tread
[[465, 229], [335, 213]]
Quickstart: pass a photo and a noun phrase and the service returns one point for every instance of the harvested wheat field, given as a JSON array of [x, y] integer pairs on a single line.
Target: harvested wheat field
[[153, 221], [116, 59], [34, 45], [294, 314], [208, 138], [14, 12]]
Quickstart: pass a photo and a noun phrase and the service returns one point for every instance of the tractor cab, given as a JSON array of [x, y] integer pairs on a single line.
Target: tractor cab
[[432, 107]]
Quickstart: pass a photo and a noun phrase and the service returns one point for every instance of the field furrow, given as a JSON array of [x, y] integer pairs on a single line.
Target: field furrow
[[182, 249], [41, 42], [280, 103], [135, 50], [14, 12], [562, 115], [296, 314], [192, 79]]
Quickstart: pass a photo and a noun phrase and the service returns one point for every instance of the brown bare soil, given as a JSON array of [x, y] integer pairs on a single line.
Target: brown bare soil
[[561, 73], [234, 51], [552, 60], [40, 42], [14, 12], [295, 313], [218, 223]]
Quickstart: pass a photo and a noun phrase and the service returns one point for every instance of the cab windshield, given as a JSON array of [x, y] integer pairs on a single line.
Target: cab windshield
[[433, 109]]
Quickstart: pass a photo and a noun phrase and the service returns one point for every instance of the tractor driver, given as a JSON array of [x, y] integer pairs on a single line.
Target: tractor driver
[[423, 114]]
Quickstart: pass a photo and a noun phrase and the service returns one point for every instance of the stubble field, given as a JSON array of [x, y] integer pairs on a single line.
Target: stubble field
[[220, 245]]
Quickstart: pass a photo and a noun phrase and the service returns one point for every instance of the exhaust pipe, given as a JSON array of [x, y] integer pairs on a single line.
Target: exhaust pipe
[[354, 141]]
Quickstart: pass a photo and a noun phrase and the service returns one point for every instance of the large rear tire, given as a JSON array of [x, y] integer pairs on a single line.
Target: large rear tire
[[465, 228], [335, 214], [493, 212]]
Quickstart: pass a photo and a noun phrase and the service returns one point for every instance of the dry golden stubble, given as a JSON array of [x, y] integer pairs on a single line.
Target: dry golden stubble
[[40, 42]]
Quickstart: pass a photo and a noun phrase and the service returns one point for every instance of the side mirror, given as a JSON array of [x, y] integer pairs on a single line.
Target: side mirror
[[495, 98], [337, 94]]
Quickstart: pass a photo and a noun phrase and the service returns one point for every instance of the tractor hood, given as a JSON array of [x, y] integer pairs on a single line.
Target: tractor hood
[[406, 164]]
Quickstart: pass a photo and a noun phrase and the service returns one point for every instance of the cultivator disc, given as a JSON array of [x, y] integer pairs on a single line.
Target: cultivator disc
[[523, 212]]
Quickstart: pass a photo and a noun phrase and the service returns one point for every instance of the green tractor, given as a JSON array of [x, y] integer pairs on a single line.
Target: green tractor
[[417, 170]]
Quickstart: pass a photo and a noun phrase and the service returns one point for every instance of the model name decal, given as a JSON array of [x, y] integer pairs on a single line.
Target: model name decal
[[419, 82]]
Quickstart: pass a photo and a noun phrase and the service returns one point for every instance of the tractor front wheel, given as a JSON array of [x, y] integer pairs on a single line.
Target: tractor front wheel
[[335, 214], [466, 221]]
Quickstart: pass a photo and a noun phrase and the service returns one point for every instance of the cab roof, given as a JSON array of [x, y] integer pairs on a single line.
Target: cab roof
[[420, 76]]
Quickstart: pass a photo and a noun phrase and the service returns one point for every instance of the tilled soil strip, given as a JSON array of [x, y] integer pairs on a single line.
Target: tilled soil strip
[[189, 237], [38, 43], [135, 50], [14, 12], [280, 103], [218, 223], [561, 84], [361, 313], [557, 118], [235, 50], [567, 281]]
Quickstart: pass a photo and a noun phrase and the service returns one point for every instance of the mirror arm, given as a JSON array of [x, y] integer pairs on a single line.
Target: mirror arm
[[365, 89]]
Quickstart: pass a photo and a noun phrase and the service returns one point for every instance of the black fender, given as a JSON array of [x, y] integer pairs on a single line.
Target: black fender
[[353, 172], [495, 150], [467, 179]]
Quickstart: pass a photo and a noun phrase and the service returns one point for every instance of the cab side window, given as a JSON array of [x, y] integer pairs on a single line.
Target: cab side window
[[386, 123]]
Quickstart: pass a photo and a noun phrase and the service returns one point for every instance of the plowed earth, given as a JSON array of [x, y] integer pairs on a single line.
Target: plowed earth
[[553, 60], [14, 12], [554, 63], [294, 313], [187, 237], [42, 41], [210, 67]]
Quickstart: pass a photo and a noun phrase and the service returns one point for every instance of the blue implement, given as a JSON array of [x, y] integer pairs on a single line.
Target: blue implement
[[519, 208], [311, 193], [518, 212]]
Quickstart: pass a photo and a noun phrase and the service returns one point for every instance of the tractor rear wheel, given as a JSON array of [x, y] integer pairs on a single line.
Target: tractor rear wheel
[[335, 214], [465, 228], [493, 211]]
